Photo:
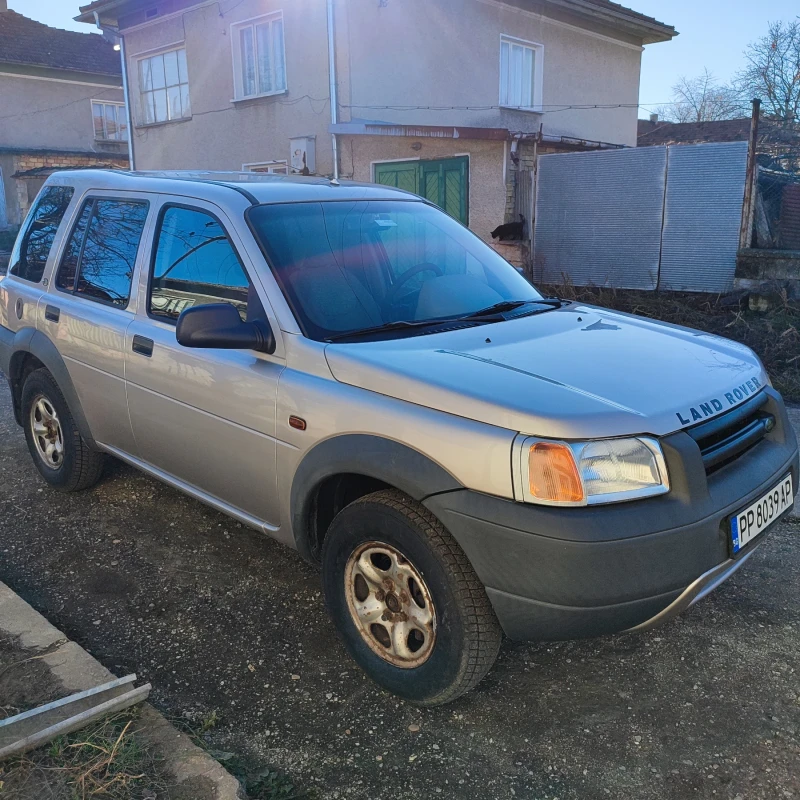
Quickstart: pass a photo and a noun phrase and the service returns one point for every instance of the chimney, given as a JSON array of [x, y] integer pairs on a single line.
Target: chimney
[[653, 117], [3, 5]]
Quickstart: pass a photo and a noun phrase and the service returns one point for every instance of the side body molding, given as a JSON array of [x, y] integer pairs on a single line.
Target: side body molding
[[385, 460], [29, 340]]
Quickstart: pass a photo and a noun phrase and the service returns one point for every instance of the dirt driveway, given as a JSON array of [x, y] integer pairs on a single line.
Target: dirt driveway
[[219, 618]]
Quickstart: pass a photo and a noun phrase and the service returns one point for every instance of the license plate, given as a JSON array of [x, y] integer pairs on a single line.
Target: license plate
[[758, 516]]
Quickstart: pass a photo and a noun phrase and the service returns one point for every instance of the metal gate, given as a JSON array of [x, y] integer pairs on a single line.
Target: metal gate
[[641, 218]]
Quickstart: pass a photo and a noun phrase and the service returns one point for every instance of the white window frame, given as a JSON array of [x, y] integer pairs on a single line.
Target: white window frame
[[123, 119], [538, 72], [143, 57], [267, 167], [236, 53]]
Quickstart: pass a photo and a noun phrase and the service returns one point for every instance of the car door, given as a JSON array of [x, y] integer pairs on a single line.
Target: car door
[[90, 305], [205, 417]]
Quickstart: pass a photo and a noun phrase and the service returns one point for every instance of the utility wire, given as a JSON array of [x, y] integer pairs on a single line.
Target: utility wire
[[549, 109], [92, 96]]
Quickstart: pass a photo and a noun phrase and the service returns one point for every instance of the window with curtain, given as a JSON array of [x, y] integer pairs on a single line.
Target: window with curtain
[[164, 87], [259, 57], [520, 65]]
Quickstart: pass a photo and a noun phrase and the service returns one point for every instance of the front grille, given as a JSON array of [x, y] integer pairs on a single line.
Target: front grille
[[723, 439]]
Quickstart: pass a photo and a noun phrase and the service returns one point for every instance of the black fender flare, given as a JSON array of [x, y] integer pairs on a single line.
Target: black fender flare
[[386, 460], [33, 342]]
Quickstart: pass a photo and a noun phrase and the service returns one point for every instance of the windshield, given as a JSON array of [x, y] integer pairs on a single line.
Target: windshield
[[348, 266]]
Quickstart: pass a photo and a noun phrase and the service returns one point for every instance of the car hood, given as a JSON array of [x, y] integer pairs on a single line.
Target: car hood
[[575, 372]]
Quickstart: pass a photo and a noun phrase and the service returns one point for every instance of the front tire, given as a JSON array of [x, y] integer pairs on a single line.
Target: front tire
[[405, 599], [59, 452]]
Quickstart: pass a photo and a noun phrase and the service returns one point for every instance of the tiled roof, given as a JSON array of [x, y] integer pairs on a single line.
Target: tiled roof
[[606, 5], [25, 41], [725, 130]]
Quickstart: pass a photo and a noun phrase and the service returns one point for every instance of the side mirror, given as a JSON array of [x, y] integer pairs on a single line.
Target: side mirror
[[219, 325]]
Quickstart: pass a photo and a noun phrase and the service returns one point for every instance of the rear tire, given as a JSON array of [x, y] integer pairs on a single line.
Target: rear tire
[[405, 600], [58, 450]]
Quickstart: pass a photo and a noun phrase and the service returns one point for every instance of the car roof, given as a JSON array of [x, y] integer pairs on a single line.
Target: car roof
[[258, 188]]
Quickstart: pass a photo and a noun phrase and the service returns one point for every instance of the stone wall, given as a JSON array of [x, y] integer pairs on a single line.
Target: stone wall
[[24, 174]]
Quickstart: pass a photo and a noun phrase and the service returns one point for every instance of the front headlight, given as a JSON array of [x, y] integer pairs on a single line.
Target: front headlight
[[584, 473]]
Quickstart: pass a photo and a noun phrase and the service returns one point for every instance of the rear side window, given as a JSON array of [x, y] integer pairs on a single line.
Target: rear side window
[[40, 231], [100, 256], [194, 264]]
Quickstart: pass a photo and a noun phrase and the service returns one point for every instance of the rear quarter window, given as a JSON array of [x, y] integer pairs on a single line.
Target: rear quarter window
[[39, 232]]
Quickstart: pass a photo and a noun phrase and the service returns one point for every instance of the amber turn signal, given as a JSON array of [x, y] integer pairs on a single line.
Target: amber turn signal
[[553, 474]]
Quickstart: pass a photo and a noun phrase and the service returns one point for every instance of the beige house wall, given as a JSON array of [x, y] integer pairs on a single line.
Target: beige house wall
[[414, 52], [50, 113], [447, 53], [46, 124], [223, 134], [487, 190]]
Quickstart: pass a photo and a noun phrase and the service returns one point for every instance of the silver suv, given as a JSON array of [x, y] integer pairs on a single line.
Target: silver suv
[[351, 371]]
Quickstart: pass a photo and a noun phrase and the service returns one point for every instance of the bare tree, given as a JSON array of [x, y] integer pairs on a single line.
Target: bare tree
[[701, 99], [773, 71]]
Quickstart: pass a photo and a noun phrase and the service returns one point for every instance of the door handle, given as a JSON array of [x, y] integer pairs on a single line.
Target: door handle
[[52, 313], [142, 346]]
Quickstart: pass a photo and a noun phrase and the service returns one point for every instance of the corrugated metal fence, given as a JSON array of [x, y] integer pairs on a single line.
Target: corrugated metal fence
[[642, 218]]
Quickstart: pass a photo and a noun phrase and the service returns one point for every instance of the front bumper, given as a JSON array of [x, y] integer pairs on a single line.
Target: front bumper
[[565, 573]]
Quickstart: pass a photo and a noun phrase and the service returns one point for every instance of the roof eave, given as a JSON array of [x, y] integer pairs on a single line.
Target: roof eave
[[418, 131], [103, 10], [649, 32]]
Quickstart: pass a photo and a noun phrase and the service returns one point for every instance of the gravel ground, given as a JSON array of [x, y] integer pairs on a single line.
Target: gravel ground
[[221, 619]]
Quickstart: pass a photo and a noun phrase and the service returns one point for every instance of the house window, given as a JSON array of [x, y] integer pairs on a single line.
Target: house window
[[258, 56], [520, 74], [164, 87], [269, 167], [109, 121]]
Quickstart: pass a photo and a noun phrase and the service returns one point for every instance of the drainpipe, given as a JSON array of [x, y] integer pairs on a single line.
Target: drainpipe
[[125, 87], [333, 88]]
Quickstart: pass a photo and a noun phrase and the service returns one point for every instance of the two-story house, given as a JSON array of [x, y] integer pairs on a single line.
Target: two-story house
[[444, 97], [61, 106]]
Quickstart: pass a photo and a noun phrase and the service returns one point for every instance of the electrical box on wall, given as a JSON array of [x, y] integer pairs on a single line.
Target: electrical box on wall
[[303, 154]]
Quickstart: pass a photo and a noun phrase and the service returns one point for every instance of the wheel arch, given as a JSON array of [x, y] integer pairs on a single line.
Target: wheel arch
[[341, 469], [31, 350]]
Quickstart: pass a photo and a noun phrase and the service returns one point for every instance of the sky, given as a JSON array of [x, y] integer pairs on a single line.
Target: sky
[[713, 34]]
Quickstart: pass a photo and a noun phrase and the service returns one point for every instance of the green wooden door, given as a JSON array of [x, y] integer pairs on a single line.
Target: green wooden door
[[443, 181], [402, 175]]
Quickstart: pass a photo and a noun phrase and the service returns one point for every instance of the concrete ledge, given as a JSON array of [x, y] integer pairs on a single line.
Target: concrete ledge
[[768, 271], [195, 773], [768, 264]]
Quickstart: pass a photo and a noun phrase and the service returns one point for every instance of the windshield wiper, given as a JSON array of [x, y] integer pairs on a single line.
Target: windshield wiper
[[389, 326], [490, 314], [511, 305]]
